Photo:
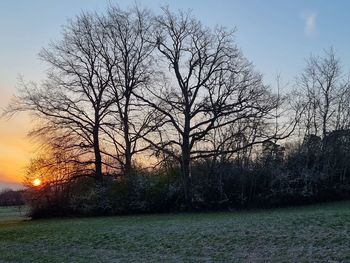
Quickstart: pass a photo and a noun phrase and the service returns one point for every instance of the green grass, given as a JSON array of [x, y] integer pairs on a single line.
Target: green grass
[[318, 233]]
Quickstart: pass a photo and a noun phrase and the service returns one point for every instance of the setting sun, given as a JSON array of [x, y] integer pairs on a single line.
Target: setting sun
[[36, 182]]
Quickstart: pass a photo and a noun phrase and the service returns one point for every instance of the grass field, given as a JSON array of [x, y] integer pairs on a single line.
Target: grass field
[[306, 234], [8, 214]]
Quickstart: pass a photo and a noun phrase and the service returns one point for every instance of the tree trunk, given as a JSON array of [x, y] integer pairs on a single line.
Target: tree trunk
[[127, 164], [185, 162], [97, 152], [186, 174]]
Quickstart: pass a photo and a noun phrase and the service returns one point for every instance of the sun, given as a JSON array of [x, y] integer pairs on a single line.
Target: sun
[[37, 182]]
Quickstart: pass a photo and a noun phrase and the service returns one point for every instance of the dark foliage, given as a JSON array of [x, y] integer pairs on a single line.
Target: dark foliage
[[316, 171]]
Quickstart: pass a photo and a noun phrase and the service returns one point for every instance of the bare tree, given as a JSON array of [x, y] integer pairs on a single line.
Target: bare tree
[[88, 98], [72, 101], [209, 86], [128, 38]]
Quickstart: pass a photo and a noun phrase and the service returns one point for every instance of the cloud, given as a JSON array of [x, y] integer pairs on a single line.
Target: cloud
[[310, 26]]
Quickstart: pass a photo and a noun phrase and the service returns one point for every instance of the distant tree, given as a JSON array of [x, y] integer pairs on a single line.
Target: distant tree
[[10, 197], [324, 91]]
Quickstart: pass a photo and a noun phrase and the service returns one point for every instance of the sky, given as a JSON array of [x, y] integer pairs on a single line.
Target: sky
[[276, 35]]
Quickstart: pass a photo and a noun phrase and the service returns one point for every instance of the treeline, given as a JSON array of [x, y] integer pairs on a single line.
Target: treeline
[[146, 113], [9, 197]]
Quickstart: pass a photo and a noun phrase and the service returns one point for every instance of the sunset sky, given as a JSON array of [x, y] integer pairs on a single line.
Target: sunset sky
[[275, 37]]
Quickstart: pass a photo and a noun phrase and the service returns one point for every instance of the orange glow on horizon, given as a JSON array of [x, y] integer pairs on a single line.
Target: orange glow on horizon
[[16, 149]]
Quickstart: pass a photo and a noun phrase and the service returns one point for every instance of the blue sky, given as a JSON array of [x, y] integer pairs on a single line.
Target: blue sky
[[275, 35]]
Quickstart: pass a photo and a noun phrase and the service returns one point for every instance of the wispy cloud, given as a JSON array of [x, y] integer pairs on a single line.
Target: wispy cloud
[[310, 23]]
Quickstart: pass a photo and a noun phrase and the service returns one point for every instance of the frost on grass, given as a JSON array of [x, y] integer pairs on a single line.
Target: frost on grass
[[307, 234]]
